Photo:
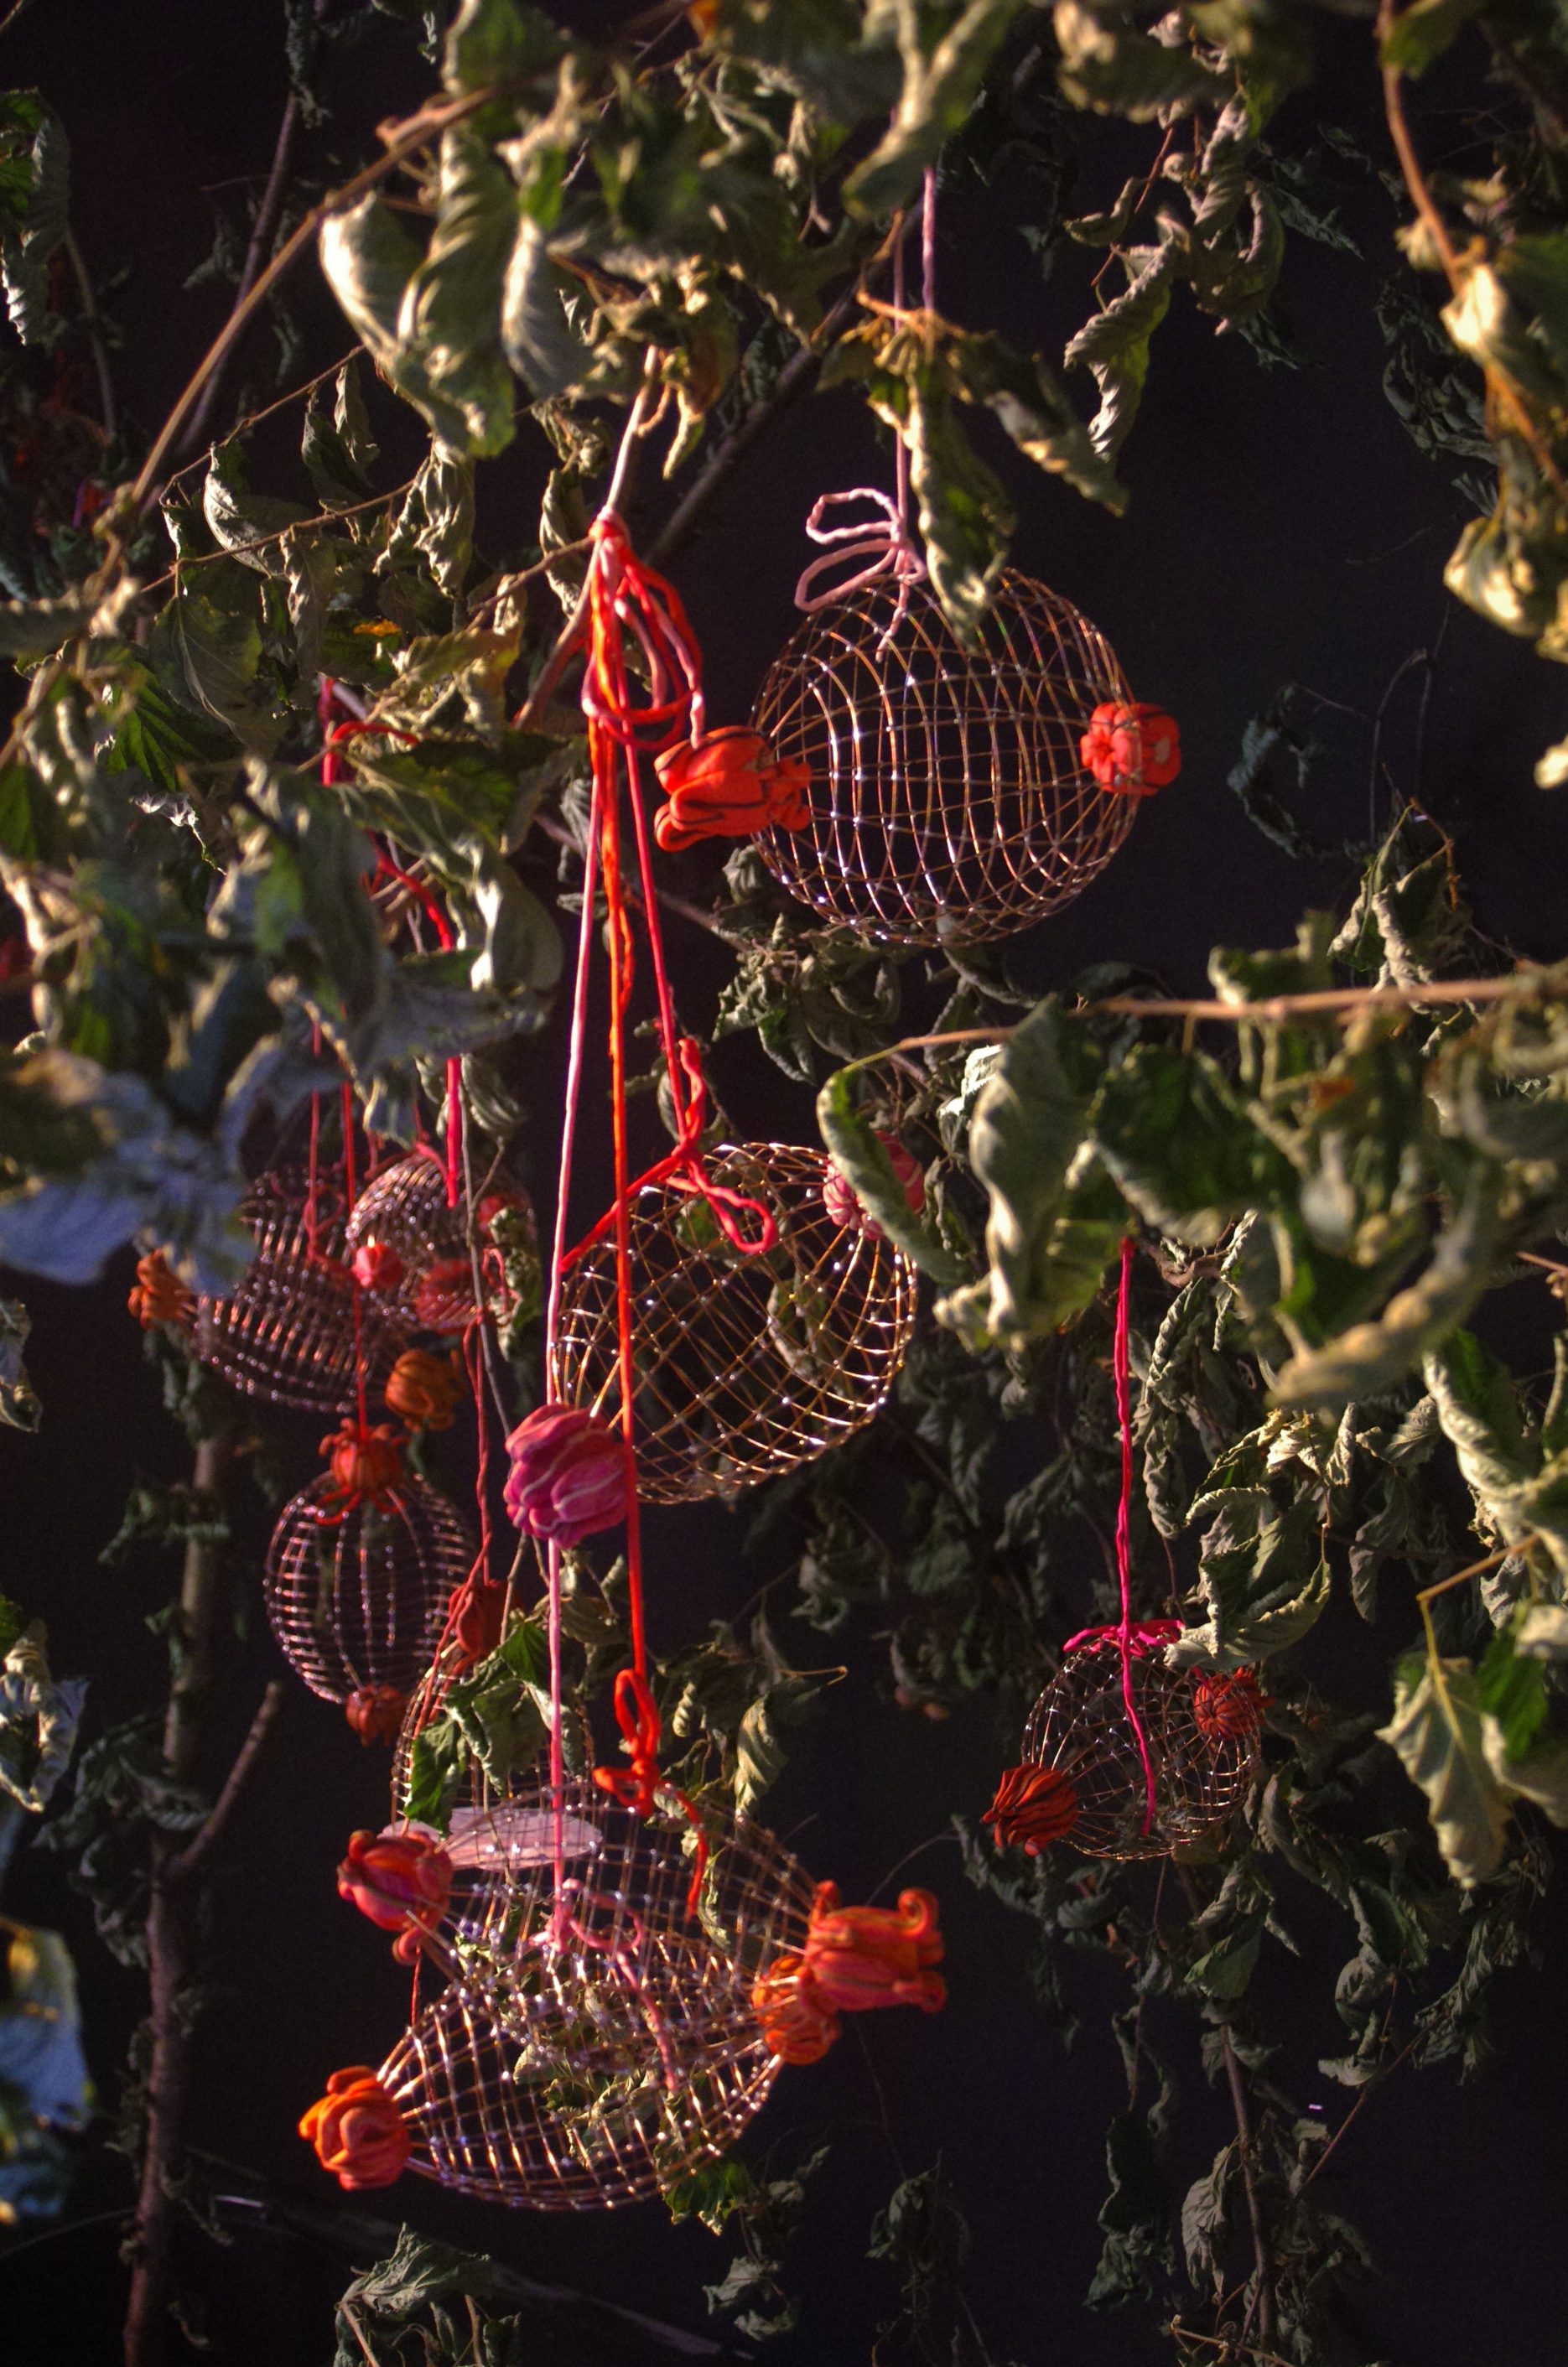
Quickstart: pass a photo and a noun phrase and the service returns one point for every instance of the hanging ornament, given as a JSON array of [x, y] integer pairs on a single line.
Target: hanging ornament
[[604, 2032], [159, 1300], [359, 1571], [287, 1332], [408, 1235], [424, 1391], [744, 1364]]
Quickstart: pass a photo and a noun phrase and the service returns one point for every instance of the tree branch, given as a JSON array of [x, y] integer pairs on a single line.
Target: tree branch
[[93, 327], [1246, 2153], [194, 1856], [264, 229]]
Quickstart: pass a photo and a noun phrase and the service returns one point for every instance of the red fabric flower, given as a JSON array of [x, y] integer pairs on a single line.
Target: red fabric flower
[[728, 784], [798, 2023], [401, 1880], [424, 1389], [1131, 751], [1033, 1807], [474, 1615], [358, 2131], [838, 1197], [1226, 1705], [568, 1474], [365, 1464], [858, 1957], [375, 1712], [160, 1296], [377, 1267]]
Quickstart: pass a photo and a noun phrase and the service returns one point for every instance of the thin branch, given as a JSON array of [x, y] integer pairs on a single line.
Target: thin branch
[[93, 326], [1476, 1569], [280, 402], [559, 837], [263, 229], [192, 1859], [12, 12], [1227, 2343], [1246, 2151], [1361, 2099], [281, 534]]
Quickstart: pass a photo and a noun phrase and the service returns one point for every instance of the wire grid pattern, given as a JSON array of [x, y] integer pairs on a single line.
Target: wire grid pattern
[[406, 1206], [358, 1597], [950, 802], [1080, 1725], [595, 2074], [746, 1365], [286, 1333], [475, 1790]]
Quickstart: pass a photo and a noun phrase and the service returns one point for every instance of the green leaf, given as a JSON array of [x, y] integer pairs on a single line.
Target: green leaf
[[34, 206], [1438, 1731], [1109, 65], [939, 88], [497, 45], [1113, 345], [1422, 30], [856, 1150], [1262, 1575], [1035, 411], [540, 342], [39, 1717], [1169, 1127]]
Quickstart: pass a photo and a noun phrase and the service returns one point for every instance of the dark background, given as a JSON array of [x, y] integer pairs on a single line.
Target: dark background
[[1282, 530]]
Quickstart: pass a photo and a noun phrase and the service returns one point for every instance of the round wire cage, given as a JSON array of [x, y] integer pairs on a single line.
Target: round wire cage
[[747, 1365], [475, 1795], [597, 2044], [1203, 1768], [357, 1591], [287, 1333], [405, 1209], [950, 800]]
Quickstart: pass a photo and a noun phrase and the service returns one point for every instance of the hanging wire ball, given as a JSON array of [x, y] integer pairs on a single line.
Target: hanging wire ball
[[949, 799], [404, 1211], [596, 2072], [475, 1795], [286, 1333], [356, 1593], [746, 1365], [1205, 1756]]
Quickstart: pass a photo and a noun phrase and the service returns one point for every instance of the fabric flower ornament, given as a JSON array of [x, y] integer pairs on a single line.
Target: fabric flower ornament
[[798, 2023], [1227, 1706], [568, 1474], [358, 2131], [160, 1297], [728, 784], [1033, 1807], [860, 1957], [474, 1615], [424, 1389], [843, 1205], [402, 1880], [1131, 750], [375, 1712], [377, 1267], [365, 1464]]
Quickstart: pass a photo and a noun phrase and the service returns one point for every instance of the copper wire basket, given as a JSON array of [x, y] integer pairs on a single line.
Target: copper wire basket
[[357, 1595], [1080, 1725], [949, 802], [746, 1365], [406, 1208], [475, 1793], [286, 1333], [597, 2073]]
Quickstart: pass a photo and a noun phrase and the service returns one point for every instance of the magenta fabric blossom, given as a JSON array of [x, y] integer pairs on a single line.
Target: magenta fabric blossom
[[568, 1474], [842, 1206]]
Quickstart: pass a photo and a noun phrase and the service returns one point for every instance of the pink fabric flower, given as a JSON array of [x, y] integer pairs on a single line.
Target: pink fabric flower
[[842, 1206], [568, 1474]]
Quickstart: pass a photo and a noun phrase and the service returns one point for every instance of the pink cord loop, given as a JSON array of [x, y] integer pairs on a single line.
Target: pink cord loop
[[882, 544], [683, 1169], [651, 610]]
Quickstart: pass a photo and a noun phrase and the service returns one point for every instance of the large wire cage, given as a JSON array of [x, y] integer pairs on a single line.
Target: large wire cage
[[405, 1208], [357, 1591], [287, 1333], [1204, 1767], [747, 1365], [598, 2041], [950, 800]]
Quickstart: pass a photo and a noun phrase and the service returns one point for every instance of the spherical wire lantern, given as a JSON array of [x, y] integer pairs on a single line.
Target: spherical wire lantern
[[404, 1209], [287, 1333], [596, 2042], [747, 1365], [356, 1590], [949, 799]]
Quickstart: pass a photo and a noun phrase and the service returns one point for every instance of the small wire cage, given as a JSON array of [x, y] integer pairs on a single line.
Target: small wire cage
[[950, 800], [475, 1795], [746, 1365], [405, 1207], [592, 2069], [358, 1593], [287, 1333], [1080, 1726]]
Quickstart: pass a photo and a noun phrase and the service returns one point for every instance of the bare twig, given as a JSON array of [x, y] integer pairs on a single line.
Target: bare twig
[[1227, 2343], [93, 326], [1246, 2153], [264, 229], [1361, 2099], [192, 1858], [280, 402]]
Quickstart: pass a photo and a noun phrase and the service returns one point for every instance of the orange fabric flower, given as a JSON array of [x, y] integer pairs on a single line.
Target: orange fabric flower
[[798, 2023], [1033, 1807], [728, 784], [375, 1712], [860, 1957], [377, 1267], [424, 1389], [365, 1464], [1227, 1705], [401, 1880], [160, 1296], [1131, 750], [358, 2132]]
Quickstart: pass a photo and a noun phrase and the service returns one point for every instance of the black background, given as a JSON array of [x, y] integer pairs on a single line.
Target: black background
[[1282, 530]]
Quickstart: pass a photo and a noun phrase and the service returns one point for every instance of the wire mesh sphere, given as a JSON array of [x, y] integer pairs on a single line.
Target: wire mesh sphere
[[747, 1365], [1203, 1765], [406, 1211], [950, 800], [286, 1333], [358, 1593], [475, 1794], [595, 2072]]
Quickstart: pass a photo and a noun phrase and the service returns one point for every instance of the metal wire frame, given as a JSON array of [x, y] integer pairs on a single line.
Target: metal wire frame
[[746, 1365], [406, 1206], [593, 2073], [475, 1792], [1080, 1725], [286, 1333], [950, 802], [357, 1597]]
